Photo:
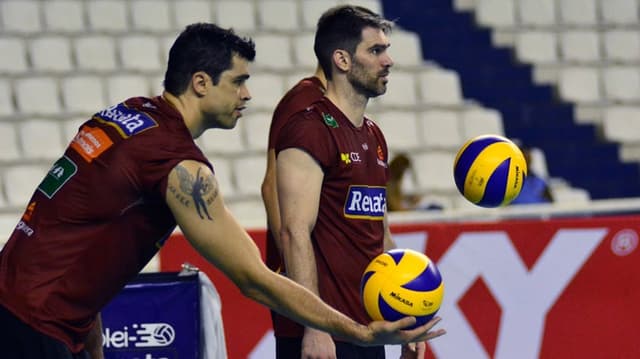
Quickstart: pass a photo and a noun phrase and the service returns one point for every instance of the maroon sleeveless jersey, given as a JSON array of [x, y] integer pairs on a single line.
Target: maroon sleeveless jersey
[[298, 98], [349, 230], [96, 218]]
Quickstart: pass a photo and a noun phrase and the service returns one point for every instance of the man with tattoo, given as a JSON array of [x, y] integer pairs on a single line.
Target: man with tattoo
[[198, 189], [129, 176]]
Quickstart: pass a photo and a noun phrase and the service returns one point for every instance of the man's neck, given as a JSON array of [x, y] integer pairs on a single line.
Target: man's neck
[[187, 110], [319, 74], [345, 98]]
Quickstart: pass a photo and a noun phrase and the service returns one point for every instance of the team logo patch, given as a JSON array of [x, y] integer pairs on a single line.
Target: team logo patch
[[329, 120], [127, 121], [366, 202], [90, 142], [58, 175]]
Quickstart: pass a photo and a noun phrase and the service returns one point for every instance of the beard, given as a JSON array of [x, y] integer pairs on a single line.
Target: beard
[[365, 83], [225, 122]]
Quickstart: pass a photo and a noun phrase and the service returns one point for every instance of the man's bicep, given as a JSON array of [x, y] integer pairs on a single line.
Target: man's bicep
[[195, 200], [192, 191], [269, 180], [196, 203], [299, 179]]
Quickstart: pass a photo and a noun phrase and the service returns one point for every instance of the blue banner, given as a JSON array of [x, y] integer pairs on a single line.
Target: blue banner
[[157, 316]]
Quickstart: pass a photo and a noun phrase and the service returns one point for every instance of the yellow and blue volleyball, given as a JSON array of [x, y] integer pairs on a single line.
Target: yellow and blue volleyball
[[400, 283], [489, 170]]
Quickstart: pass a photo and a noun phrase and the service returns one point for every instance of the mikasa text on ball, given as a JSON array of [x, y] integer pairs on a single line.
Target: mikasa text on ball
[[400, 283], [489, 170]]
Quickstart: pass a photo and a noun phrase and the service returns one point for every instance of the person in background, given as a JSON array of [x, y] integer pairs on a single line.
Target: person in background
[[331, 174], [397, 200], [535, 189], [131, 174]]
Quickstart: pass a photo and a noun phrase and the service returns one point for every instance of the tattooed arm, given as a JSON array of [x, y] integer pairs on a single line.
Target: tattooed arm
[[194, 199]]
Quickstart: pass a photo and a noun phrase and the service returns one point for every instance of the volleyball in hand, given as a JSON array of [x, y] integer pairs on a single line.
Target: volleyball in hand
[[400, 283], [489, 170]]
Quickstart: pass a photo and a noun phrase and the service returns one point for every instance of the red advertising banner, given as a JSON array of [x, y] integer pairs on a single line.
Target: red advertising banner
[[558, 288]]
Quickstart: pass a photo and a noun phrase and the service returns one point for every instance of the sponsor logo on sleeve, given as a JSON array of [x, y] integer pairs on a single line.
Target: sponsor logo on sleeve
[[127, 121], [91, 142], [365, 202], [59, 174], [23, 227], [28, 213]]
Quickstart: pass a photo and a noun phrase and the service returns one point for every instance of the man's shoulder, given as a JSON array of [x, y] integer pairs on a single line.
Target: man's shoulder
[[308, 117], [305, 91], [311, 83], [128, 118], [148, 124], [151, 106], [312, 122]]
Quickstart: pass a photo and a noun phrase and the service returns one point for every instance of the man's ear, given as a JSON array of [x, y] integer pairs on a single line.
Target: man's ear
[[199, 83], [342, 60]]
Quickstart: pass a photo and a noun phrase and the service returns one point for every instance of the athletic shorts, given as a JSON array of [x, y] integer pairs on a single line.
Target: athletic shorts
[[19, 341]]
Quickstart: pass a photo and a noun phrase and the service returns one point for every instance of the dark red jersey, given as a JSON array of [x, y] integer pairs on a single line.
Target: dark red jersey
[[349, 230], [96, 219], [298, 98]]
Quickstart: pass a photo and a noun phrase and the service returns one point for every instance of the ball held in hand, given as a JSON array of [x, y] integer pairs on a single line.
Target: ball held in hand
[[400, 283]]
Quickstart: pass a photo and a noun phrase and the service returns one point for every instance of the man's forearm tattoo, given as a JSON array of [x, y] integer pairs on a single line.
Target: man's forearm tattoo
[[201, 190]]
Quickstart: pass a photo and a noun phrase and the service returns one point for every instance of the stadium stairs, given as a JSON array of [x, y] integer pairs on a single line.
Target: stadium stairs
[[531, 113]]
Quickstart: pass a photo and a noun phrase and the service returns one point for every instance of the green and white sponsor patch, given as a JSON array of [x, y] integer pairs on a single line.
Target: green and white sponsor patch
[[58, 175]]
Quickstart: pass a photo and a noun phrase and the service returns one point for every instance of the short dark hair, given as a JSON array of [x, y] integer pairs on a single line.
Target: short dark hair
[[341, 28], [203, 47]]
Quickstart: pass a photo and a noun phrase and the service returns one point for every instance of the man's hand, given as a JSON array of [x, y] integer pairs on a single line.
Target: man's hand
[[413, 350], [382, 332], [317, 345]]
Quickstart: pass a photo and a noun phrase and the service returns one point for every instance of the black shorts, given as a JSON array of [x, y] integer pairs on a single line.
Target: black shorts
[[19, 341], [290, 348]]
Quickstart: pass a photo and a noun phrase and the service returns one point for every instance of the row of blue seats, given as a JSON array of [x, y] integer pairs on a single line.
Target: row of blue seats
[[532, 113]]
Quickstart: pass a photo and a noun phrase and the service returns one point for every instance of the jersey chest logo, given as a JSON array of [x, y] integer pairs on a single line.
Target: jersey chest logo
[[350, 157], [366, 202]]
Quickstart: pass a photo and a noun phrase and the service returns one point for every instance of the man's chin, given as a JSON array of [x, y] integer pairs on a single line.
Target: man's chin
[[226, 124], [229, 126], [378, 92]]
